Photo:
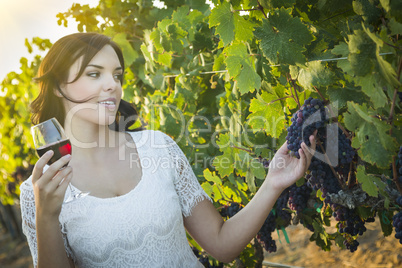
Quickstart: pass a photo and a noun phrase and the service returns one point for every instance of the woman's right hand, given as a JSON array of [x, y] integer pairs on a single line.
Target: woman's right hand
[[49, 186]]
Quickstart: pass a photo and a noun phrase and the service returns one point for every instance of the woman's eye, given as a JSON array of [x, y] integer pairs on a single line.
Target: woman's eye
[[118, 76], [93, 74]]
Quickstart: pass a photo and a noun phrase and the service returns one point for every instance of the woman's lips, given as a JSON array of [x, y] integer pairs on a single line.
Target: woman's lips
[[110, 104]]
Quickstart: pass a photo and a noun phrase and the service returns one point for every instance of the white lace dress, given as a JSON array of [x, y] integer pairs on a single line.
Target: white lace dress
[[143, 228]]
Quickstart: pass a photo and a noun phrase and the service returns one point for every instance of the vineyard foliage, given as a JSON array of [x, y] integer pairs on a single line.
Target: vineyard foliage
[[224, 78]]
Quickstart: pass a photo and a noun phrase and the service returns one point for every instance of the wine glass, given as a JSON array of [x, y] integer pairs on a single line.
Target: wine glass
[[49, 135]]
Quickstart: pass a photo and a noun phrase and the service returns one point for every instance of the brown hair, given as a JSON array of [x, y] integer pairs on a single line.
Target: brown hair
[[54, 71]]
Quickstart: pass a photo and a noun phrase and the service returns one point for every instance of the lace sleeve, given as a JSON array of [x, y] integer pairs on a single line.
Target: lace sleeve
[[186, 183], [27, 202]]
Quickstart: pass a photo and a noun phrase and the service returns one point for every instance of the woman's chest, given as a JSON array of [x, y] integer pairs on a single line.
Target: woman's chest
[[151, 209], [112, 178]]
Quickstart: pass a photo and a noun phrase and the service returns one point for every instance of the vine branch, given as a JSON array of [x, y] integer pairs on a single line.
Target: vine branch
[[260, 7], [247, 150], [294, 88], [337, 14], [278, 100], [251, 9]]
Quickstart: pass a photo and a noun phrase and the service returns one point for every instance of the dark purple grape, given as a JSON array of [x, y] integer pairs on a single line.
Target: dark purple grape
[[230, 211]]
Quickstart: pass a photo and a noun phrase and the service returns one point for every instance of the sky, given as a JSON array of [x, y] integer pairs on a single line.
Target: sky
[[20, 19]]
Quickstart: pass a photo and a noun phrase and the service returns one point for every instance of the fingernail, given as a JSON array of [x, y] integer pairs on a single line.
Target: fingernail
[[49, 152], [67, 156]]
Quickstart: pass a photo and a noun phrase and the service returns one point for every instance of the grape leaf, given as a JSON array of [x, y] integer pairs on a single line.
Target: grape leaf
[[230, 25], [394, 7], [164, 59], [224, 163], [267, 114], [387, 72], [168, 36], [212, 177], [148, 58], [130, 54], [187, 18], [342, 94], [207, 188], [372, 88], [250, 181], [216, 192], [230, 191], [241, 69], [222, 17], [365, 212], [243, 28], [362, 53], [396, 27], [315, 74], [257, 169], [369, 69], [376, 145], [370, 184], [386, 225], [282, 38], [367, 9]]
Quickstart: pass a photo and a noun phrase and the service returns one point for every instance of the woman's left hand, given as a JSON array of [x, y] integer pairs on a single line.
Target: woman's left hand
[[284, 169]]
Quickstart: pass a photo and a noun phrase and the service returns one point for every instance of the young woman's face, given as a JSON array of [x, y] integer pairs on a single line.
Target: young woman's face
[[100, 83]]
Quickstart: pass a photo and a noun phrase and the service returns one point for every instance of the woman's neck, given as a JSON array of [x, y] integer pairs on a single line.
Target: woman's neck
[[93, 141]]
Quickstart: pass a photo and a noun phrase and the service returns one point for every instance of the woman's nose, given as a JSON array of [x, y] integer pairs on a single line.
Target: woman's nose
[[111, 83]]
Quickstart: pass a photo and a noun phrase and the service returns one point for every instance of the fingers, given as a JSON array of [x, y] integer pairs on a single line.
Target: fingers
[[312, 139], [55, 171], [306, 153], [55, 168], [61, 177], [284, 148], [303, 158], [38, 168]]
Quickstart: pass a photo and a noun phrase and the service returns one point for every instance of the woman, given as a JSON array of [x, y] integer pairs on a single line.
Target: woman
[[136, 214]]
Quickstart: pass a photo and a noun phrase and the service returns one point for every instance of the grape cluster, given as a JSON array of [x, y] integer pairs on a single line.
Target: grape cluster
[[345, 150], [230, 211], [277, 217], [298, 197], [322, 178], [349, 222], [351, 244], [311, 116], [265, 162], [282, 209], [397, 218], [397, 221], [400, 166], [333, 143], [265, 233]]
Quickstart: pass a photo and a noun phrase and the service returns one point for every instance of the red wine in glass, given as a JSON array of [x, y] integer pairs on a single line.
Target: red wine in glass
[[60, 149], [49, 135]]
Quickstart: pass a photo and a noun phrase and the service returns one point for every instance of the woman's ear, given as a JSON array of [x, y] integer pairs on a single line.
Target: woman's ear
[[57, 93]]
